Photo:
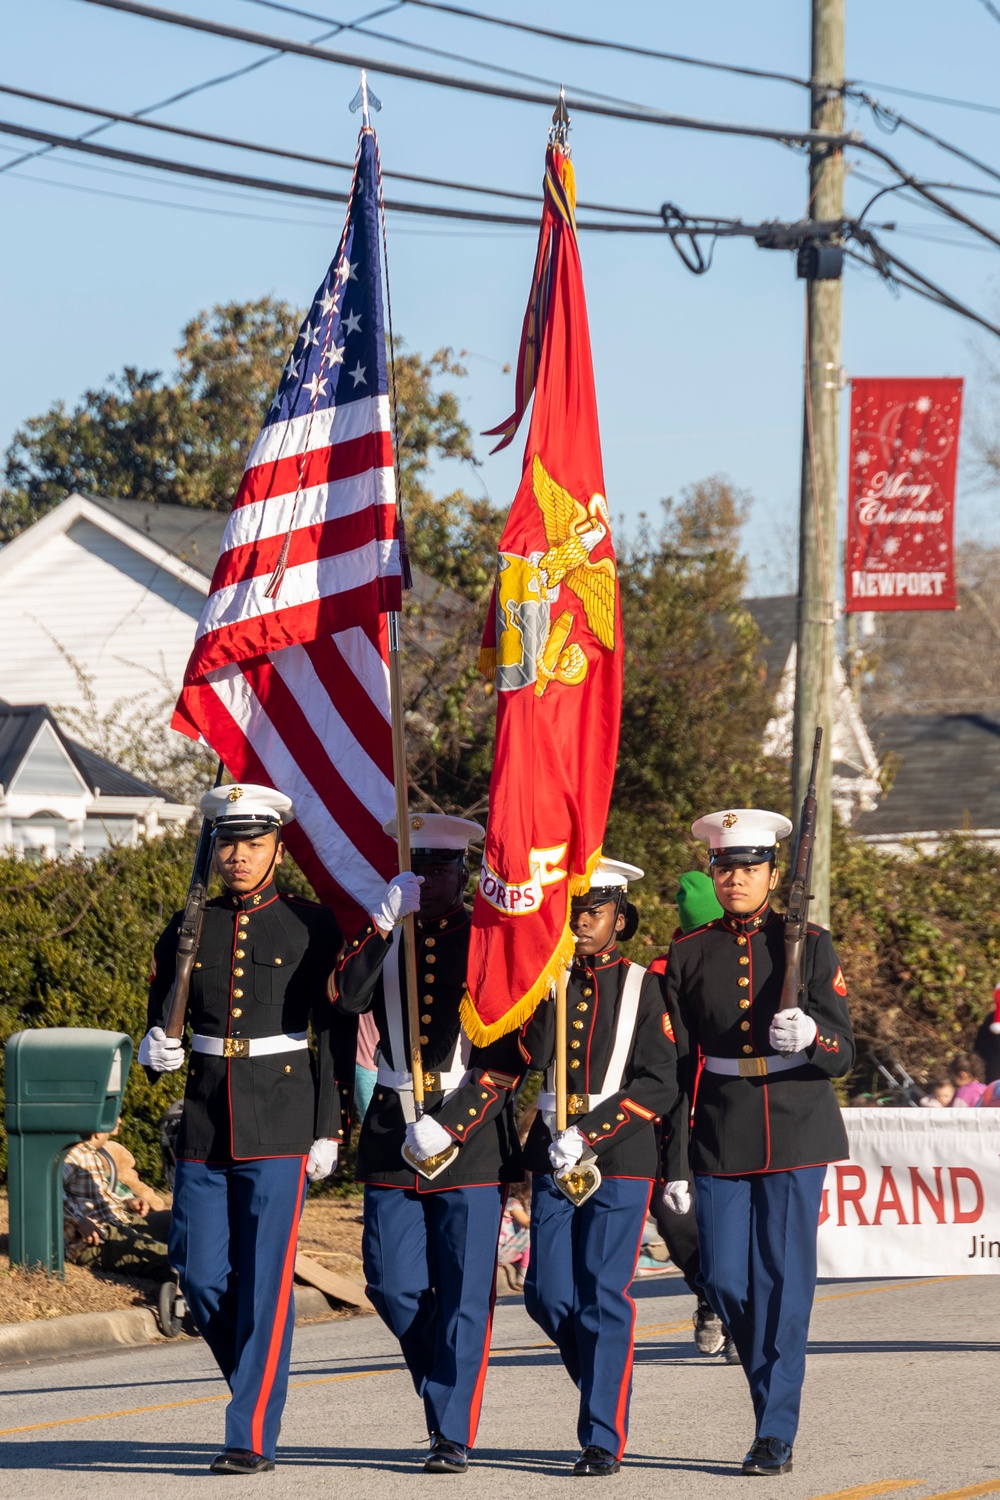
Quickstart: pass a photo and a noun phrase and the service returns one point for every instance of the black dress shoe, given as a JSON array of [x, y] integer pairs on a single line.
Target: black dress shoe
[[594, 1463], [768, 1456], [446, 1458], [240, 1461]]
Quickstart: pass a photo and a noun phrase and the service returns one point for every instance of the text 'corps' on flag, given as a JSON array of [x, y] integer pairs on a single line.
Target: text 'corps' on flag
[[900, 551], [288, 680], [553, 642]]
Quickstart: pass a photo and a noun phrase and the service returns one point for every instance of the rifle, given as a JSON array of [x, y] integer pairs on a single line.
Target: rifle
[[190, 934], [798, 895]]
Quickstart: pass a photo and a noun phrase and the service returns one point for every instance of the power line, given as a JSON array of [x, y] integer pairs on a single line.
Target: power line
[[635, 114], [628, 48], [301, 190], [459, 57], [893, 88], [301, 156], [916, 282], [197, 88], [881, 113], [486, 232], [992, 9]]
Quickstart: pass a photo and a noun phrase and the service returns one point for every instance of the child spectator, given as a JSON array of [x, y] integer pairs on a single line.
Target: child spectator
[[514, 1247], [939, 1095], [966, 1072], [104, 1228]]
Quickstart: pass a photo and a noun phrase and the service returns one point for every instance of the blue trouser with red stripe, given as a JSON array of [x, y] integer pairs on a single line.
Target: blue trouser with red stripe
[[233, 1235], [430, 1260], [757, 1236], [582, 1264]]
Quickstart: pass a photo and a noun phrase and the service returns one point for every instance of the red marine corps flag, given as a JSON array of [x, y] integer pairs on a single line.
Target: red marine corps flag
[[553, 643]]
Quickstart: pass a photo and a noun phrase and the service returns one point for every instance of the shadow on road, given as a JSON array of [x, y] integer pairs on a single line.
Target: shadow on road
[[185, 1460]]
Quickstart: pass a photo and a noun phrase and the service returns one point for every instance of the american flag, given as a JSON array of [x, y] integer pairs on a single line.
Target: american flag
[[288, 680]]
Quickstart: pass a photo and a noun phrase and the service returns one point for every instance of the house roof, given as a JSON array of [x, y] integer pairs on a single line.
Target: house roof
[[19, 724], [948, 774], [776, 617], [191, 534]]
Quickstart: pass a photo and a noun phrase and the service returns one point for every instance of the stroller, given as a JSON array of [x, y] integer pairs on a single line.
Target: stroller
[[898, 1088], [172, 1312]]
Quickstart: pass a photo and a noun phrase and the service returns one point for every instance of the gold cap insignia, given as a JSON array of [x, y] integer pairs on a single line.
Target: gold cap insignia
[[236, 794], [416, 823], [729, 820]]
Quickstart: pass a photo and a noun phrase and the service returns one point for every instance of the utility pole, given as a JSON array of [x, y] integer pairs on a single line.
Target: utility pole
[[814, 684]]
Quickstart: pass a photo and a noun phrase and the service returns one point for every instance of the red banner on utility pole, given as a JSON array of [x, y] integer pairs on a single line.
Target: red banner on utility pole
[[900, 550]]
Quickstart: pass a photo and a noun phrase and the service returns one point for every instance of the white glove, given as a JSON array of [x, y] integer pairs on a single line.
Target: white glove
[[425, 1138], [567, 1149], [162, 1053], [792, 1031], [322, 1159], [677, 1197], [402, 897], [549, 1118]]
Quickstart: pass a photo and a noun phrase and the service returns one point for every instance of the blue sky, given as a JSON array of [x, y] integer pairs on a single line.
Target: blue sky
[[695, 375]]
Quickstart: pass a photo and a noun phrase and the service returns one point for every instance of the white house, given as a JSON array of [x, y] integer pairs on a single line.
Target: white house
[[855, 781], [57, 797], [111, 589]]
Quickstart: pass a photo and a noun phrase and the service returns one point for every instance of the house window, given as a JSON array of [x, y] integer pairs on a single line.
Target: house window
[[41, 837]]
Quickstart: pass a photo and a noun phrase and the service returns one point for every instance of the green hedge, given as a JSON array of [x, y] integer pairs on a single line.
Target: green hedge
[[76, 939]]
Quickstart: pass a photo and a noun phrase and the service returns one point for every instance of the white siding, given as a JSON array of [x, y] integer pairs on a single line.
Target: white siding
[[125, 620]]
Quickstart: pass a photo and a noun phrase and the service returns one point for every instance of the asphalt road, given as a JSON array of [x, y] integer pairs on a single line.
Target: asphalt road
[[901, 1397]]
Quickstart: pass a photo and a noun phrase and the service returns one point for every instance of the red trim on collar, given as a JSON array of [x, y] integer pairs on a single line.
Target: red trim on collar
[[752, 922]]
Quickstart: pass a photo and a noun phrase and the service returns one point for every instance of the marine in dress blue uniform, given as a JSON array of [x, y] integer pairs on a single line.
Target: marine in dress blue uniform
[[621, 1067], [430, 1242], [263, 1112], [766, 1119]]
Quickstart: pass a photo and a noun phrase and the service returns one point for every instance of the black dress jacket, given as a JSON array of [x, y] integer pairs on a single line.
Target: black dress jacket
[[479, 1115], [261, 970], [622, 1131], [724, 989]]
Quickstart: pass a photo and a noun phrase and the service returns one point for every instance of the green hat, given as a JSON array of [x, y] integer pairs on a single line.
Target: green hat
[[696, 900]]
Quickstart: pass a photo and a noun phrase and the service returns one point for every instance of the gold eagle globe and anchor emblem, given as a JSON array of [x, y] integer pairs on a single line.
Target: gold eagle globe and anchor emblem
[[531, 646]]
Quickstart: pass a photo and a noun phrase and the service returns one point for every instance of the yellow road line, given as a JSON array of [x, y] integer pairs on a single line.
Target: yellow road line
[[138, 1411], [896, 1286], [644, 1331], [970, 1490], [862, 1491]]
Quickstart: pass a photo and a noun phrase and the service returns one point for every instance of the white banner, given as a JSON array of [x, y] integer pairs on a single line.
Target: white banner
[[920, 1195]]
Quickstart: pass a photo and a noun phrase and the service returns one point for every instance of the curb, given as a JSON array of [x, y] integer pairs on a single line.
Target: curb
[[102, 1332]]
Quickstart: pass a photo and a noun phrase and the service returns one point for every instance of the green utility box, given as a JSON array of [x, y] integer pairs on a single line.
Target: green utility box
[[62, 1083]]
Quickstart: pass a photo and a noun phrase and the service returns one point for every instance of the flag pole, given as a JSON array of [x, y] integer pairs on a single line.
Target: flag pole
[[366, 101], [403, 844], [559, 137], [561, 1035]]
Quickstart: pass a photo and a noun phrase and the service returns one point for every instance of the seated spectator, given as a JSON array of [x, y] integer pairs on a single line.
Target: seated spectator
[[101, 1226], [991, 1098], [939, 1095], [129, 1186], [966, 1072]]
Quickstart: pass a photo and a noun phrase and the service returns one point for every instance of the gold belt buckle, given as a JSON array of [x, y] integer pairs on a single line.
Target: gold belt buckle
[[752, 1067], [432, 1082], [577, 1104], [235, 1046]]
